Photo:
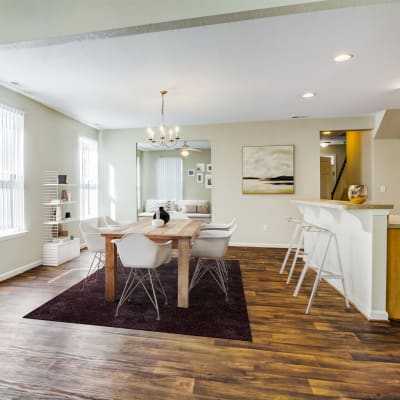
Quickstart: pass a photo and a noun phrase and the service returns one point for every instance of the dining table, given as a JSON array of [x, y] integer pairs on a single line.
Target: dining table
[[180, 231]]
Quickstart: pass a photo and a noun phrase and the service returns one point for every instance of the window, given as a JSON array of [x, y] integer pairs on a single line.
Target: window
[[11, 171], [89, 178], [169, 178], [138, 184]]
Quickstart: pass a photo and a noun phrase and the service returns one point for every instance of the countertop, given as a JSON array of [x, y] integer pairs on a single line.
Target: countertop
[[346, 205]]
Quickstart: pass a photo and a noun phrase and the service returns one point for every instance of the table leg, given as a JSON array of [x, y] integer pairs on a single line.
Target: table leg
[[110, 270], [183, 272]]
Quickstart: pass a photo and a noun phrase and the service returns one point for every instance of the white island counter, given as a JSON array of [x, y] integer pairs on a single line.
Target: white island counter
[[361, 230]]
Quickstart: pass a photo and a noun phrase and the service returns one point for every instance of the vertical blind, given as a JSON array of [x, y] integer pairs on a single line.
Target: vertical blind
[[89, 198], [11, 170], [169, 178], [138, 183]]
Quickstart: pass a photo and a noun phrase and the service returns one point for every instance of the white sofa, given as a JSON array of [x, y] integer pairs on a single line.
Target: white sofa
[[191, 208]]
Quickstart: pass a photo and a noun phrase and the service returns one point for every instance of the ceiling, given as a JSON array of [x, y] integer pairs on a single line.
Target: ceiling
[[228, 72]]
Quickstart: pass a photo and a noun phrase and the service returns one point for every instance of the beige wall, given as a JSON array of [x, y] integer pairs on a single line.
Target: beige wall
[[387, 167], [51, 142], [261, 218], [367, 162]]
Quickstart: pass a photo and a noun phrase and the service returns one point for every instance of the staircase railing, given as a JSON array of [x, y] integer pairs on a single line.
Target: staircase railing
[[340, 184]]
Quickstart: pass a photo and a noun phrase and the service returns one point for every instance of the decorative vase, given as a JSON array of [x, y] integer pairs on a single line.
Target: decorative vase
[[62, 179], [163, 215], [358, 194]]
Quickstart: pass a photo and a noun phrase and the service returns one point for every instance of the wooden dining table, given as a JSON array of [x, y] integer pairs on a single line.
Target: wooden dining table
[[179, 231]]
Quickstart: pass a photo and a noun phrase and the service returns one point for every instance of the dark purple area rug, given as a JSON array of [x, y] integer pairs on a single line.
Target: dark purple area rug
[[208, 314]]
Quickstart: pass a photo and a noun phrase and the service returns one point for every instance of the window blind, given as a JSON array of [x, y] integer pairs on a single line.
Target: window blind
[[89, 201], [169, 178], [11, 170]]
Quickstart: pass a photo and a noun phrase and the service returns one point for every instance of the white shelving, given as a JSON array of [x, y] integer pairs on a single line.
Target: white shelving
[[57, 201]]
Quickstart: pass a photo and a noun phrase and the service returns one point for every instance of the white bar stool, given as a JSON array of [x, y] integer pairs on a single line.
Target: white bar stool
[[322, 240], [296, 244]]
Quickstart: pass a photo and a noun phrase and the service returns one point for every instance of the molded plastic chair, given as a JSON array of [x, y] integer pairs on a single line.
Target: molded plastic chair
[[213, 226], [210, 247], [143, 256], [113, 224], [95, 244]]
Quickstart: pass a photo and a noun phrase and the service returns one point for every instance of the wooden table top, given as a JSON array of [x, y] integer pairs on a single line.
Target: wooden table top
[[175, 229]]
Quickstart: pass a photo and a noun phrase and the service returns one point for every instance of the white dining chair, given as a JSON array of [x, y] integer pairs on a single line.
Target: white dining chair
[[95, 244], [210, 248], [113, 224], [216, 226], [143, 257]]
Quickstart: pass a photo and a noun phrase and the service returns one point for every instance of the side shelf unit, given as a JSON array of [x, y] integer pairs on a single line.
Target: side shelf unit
[[58, 246]]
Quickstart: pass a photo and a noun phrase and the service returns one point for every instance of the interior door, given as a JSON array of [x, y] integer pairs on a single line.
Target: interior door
[[325, 177]]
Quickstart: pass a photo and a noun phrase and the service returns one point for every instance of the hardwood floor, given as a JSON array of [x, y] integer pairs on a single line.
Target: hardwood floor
[[330, 354]]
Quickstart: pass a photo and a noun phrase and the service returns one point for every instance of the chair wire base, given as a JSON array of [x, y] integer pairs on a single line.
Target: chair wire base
[[96, 264], [138, 276], [217, 268]]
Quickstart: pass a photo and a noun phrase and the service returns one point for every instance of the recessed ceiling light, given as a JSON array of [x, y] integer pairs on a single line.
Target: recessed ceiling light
[[343, 57], [324, 144], [308, 95], [326, 132], [300, 116]]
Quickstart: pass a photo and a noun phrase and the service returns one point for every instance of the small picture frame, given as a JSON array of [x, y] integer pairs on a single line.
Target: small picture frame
[[200, 178], [191, 172], [200, 167], [209, 168], [208, 181]]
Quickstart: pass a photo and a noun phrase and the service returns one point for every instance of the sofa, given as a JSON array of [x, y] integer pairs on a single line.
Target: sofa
[[196, 209]]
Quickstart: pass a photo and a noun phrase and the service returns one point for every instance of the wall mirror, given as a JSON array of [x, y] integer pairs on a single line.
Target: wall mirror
[[174, 175]]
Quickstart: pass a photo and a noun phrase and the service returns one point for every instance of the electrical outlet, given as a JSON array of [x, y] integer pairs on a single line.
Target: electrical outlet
[[382, 188]]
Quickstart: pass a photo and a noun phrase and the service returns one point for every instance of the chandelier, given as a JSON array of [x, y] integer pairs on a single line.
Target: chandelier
[[168, 136]]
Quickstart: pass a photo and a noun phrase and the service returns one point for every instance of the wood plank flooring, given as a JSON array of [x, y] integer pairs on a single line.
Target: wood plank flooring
[[333, 353]]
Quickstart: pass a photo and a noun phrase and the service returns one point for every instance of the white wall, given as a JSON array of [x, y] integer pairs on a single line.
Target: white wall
[[51, 142], [253, 212]]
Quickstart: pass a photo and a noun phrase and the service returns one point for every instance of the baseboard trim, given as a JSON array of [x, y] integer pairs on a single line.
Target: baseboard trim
[[267, 245], [19, 270], [369, 314]]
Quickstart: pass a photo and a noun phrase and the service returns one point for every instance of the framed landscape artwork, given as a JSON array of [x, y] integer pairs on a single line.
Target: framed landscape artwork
[[268, 170]]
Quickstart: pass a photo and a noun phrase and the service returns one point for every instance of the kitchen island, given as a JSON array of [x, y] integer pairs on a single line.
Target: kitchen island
[[361, 231]]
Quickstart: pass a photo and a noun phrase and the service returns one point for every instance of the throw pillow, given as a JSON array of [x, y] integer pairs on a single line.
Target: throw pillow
[[189, 208], [202, 209]]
